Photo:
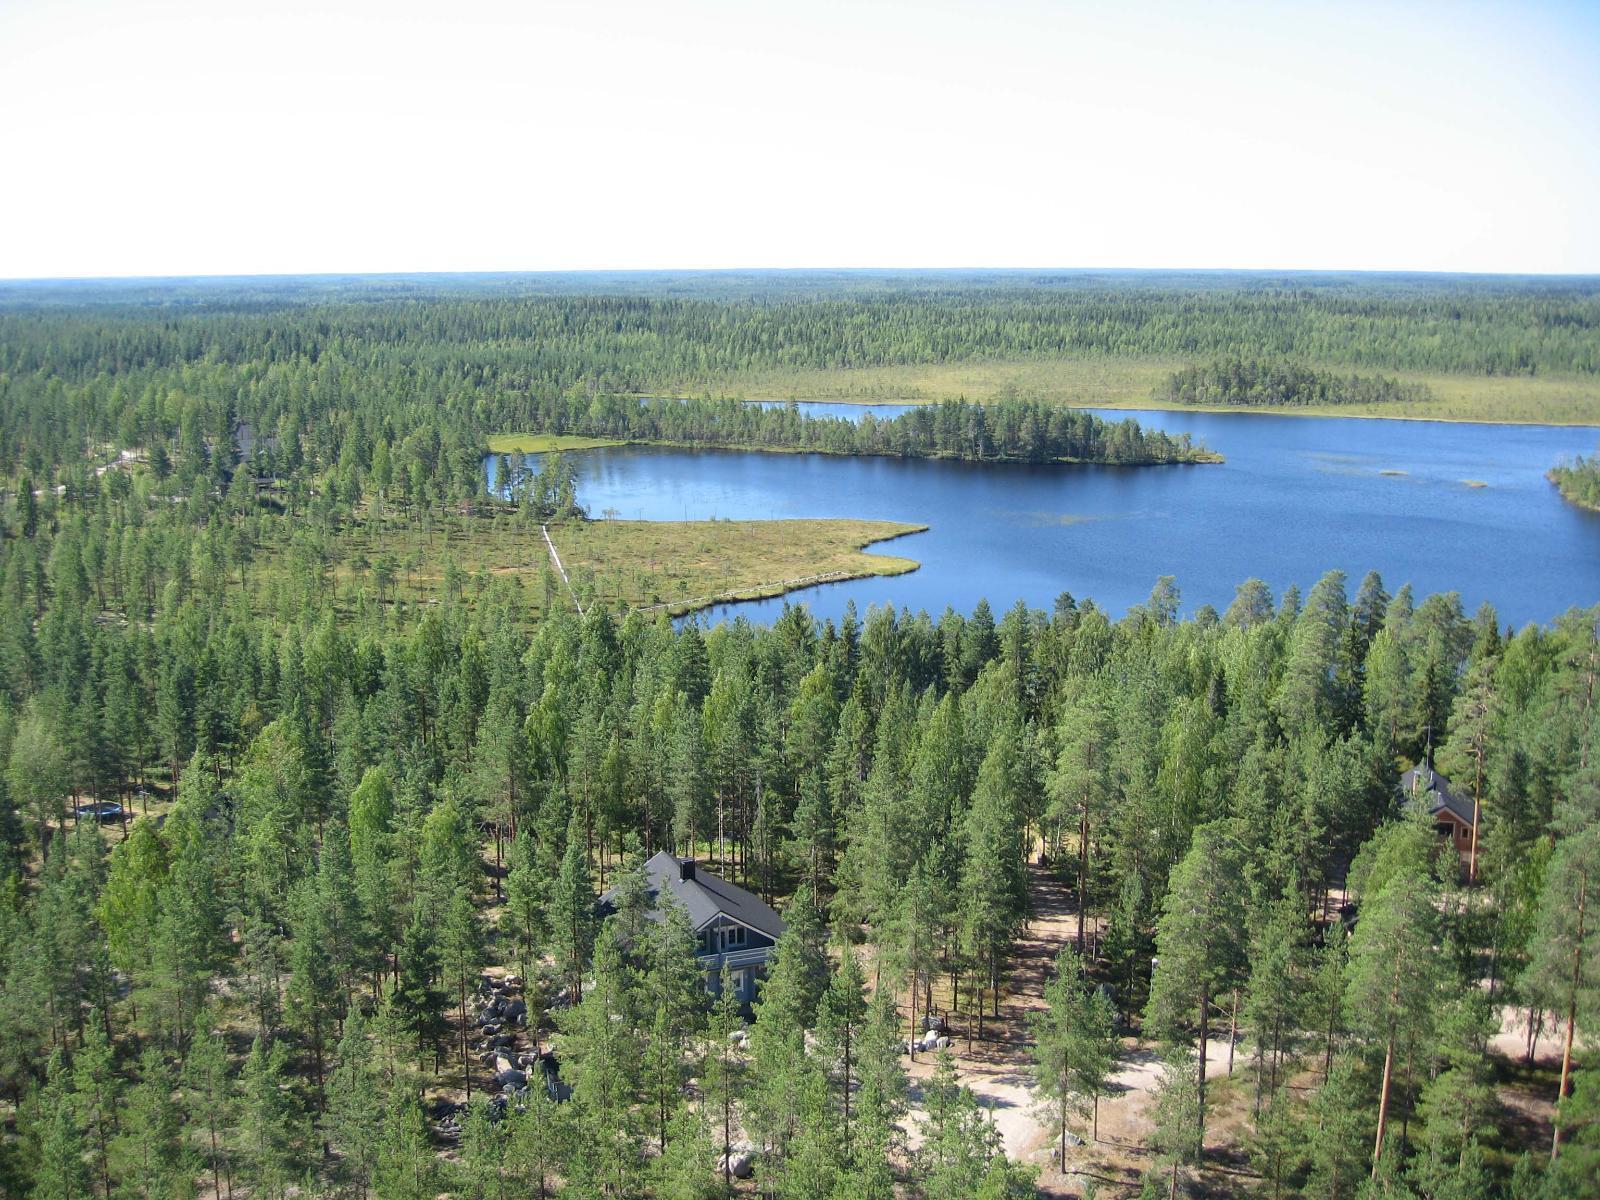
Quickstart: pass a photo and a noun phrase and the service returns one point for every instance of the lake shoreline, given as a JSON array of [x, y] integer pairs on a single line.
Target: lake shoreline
[[1200, 457], [1166, 406], [887, 566]]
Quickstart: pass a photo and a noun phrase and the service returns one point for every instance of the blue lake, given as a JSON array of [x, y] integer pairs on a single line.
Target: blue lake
[[1296, 497]]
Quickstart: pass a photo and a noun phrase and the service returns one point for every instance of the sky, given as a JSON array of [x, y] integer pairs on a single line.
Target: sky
[[181, 137]]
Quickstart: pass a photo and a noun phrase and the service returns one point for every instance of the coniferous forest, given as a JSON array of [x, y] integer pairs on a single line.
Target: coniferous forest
[[300, 898]]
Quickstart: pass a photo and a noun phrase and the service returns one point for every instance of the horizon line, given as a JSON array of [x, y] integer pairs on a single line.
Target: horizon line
[[516, 272]]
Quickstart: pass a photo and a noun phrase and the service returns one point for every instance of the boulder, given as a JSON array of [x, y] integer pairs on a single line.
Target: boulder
[[515, 1010], [502, 1063], [511, 1077], [740, 1165]]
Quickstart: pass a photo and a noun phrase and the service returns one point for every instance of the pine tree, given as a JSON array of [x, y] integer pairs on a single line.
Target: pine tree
[[572, 912], [406, 1167], [1567, 944], [725, 1067], [355, 1111], [96, 1090], [209, 1102], [1200, 941], [416, 995], [1277, 997], [153, 1158], [1175, 1117], [267, 1114], [524, 918], [841, 1022], [312, 995], [989, 889], [597, 1041], [687, 1169], [1393, 978], [541, 1136], [1081, 783], [1074, 1046], [1338, 1136], [461, 952], [485, 1154], [61, 1173]]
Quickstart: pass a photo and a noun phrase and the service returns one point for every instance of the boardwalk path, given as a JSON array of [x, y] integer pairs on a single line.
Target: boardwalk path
[[560, 570]]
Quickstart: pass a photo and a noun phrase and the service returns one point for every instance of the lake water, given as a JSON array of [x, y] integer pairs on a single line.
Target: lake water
[[1296, 497]]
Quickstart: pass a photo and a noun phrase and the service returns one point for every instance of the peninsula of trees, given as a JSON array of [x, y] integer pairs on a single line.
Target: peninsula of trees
[[1011, 430], [1579, 481]]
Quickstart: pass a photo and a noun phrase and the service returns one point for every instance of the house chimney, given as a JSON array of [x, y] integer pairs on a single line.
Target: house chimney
[[686, 869]]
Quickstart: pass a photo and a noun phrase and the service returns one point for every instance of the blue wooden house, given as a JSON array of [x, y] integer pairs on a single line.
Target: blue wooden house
[[733, 927]]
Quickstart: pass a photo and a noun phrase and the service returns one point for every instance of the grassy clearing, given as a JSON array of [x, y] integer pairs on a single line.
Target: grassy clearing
[[1129, 383], [370, 568], [681, 566], [542, 443]]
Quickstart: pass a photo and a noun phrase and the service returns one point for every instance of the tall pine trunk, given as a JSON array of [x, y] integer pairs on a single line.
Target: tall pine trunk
[[1572, 1017]]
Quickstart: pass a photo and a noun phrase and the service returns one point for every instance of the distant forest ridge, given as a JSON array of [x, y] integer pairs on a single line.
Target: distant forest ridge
[[1247, 383], [654, 330]]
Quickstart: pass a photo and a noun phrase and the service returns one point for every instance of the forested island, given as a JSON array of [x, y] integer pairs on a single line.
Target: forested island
[[1011, 429], [1245, 383], [1578, 481], [316, 761]]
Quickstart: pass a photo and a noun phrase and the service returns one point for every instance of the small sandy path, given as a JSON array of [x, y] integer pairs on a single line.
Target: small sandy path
[[998, 1067]]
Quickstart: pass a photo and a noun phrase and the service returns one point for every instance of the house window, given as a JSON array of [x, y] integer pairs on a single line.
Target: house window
[[732, 936], [741, 984]]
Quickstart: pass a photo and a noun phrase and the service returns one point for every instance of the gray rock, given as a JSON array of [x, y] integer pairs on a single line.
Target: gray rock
[[511, 1077]]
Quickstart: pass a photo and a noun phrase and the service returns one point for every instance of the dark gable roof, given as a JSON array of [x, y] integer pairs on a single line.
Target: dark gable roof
[[1423, 780], [705, 896]]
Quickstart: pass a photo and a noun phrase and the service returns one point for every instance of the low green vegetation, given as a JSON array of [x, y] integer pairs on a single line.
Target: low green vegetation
[[543, 443], [1579, 481], [1552, 399], [684, 565], [388, 571]]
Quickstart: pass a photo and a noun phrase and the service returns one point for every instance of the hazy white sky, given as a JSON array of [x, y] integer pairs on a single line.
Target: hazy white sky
[[233, 136]]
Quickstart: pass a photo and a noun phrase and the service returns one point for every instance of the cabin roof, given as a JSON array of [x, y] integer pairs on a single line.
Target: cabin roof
[[704, 895], [1423, 780]]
